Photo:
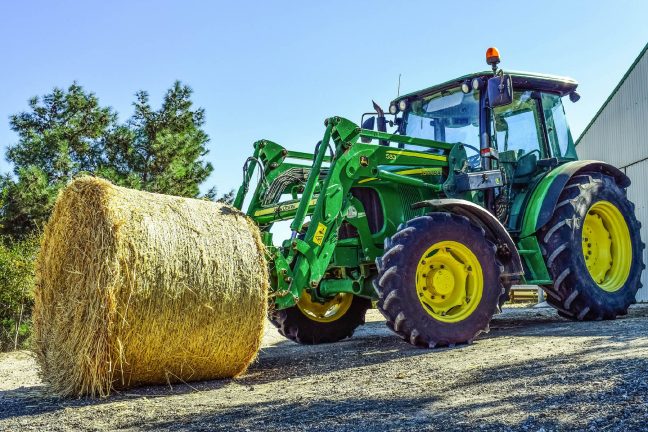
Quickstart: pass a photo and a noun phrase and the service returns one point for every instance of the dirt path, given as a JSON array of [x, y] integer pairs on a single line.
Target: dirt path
[[534, 371]]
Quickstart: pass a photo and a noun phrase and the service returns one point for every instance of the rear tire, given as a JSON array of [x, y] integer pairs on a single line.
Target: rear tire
[[616, 260], [411, 281], [301, 327]]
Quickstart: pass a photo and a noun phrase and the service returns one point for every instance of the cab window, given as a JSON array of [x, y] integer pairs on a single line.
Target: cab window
[[449, 116], [518, 126], [560, 138]]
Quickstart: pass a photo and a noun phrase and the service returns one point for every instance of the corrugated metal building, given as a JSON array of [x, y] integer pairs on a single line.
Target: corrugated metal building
[[618, 134]]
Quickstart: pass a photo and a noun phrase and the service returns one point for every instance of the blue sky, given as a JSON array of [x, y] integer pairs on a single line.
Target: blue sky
[[276, 69]]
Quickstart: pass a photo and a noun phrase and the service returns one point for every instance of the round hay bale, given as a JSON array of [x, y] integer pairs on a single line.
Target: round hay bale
[[139, 288]]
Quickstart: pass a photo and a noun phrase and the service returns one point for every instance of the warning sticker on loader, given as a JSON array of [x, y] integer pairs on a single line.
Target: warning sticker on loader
[[318, 237]]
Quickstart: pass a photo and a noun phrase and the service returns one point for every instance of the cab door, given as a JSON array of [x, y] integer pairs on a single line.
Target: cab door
[[519, 136], [519, 133]]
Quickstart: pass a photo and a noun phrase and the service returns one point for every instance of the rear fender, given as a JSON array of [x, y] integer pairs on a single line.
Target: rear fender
[[506, 251], [544, 198]]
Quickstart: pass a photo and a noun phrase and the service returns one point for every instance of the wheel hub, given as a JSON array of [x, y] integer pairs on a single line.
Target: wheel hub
[[328, 311], [606, 245], [449, 281], [442, 282]]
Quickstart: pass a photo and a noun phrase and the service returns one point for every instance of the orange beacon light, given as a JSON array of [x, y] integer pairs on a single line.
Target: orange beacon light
[[492, 56]]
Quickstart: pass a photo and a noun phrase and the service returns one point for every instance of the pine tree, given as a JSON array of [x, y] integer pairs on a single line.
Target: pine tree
[[59, 137], [160, 150], [67, 133]]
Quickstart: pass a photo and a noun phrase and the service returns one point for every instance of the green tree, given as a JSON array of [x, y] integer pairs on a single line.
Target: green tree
[[26, 201], [160, 150], [226, 198], [67, 132], [60, 136]]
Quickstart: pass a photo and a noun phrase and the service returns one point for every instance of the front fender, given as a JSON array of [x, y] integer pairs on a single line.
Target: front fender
[[543, 200], [506, 250]]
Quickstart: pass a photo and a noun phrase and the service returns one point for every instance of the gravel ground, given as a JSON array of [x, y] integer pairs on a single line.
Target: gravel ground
[[534, 371]]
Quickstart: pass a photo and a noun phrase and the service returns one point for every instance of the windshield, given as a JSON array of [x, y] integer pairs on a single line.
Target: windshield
[[450, 116]]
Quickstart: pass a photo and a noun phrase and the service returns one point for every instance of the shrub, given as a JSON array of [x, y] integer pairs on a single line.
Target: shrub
[[16, 291]]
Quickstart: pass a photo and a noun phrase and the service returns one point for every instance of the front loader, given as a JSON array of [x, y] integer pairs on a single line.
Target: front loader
[[477, 188]]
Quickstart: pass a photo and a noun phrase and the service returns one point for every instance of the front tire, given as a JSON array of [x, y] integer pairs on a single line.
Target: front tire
[[593, 250], [314, 323], [439, 281]]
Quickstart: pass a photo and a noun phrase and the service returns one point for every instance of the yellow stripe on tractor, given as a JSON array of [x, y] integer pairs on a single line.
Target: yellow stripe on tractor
[[417, 155], [281, 208], [412, 171]]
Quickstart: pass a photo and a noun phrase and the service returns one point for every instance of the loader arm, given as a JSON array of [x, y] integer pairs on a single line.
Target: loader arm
[[308, 259]]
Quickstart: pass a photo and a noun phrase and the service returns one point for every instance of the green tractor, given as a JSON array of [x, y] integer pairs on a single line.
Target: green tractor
[[477, 188]]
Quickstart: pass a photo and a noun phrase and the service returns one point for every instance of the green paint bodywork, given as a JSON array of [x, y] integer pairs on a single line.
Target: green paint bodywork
[[532, 211], [529, 249], [556, 179]]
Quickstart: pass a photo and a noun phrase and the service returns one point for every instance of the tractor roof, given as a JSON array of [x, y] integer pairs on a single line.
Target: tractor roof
[[521, 80]]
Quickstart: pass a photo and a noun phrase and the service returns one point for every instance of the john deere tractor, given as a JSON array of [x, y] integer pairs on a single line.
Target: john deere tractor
[[475, 187]]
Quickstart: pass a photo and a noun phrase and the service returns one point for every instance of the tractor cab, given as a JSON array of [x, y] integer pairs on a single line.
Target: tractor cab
[[530, 119]]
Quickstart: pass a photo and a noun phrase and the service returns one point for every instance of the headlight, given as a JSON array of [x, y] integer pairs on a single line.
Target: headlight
[[476, 83], [465, 88], [402, 105], [393, 109]]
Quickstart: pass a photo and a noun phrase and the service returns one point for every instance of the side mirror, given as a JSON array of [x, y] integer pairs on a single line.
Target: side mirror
[[368, 123], [500, 90]]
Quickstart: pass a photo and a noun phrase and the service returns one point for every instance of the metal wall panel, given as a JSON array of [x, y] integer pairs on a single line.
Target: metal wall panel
[[620, 133], [638, 173]]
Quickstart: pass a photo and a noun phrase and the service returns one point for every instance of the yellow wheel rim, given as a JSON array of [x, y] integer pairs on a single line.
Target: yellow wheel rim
[[329, 311], [606, 246], [449, 281]]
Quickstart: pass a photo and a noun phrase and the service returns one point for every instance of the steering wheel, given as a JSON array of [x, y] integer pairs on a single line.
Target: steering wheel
[[530, 153], [475, 159]]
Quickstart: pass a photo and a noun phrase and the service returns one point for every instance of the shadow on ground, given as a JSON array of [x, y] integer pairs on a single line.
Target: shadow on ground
[[587, 395]]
